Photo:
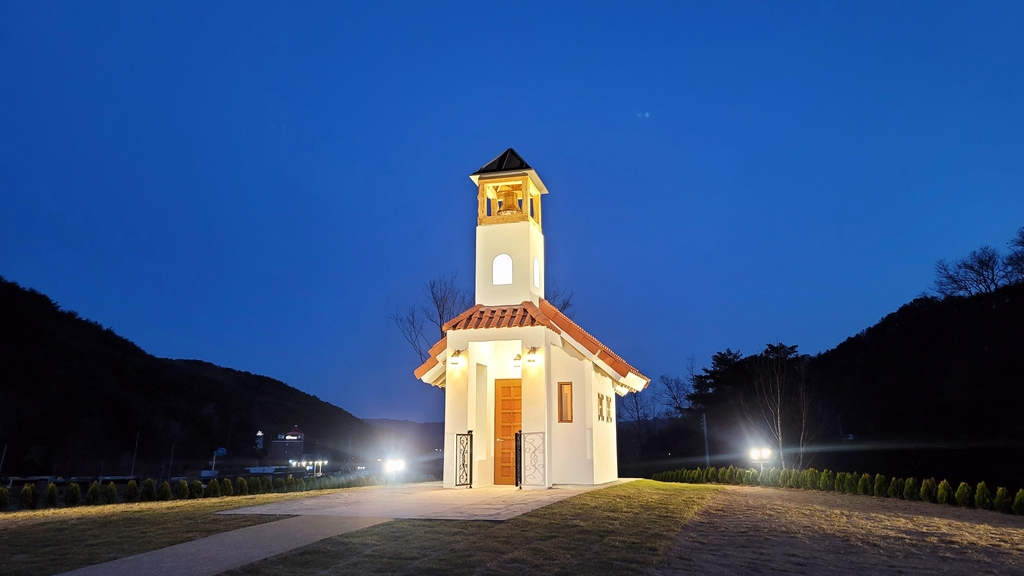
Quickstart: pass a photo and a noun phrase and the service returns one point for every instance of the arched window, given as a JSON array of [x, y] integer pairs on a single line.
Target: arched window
[[536, 273], [501, 270]]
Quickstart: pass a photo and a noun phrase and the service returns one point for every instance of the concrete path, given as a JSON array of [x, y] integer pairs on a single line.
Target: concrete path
[[425, 501], [318, 517], [227, 550]]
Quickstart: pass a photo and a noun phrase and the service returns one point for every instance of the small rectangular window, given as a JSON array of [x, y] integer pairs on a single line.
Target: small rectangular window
[[608, 416], [565, 401], [600, 407]]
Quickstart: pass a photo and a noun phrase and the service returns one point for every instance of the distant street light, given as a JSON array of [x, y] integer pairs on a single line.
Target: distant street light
[[760, 456]]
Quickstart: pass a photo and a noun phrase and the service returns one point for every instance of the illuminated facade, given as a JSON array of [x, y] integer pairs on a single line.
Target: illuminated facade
[[529, 395]]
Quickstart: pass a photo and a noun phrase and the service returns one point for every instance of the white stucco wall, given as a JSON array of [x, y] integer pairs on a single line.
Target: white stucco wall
[[606, 463], [522, 241], [572, 457]]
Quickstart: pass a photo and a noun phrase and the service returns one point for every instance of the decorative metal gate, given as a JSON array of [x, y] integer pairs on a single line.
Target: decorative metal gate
[[464, 459], [519, 459], [533, 469]]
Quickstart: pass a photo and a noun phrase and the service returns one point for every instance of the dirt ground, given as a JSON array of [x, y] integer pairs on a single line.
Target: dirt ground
[[747, 530]]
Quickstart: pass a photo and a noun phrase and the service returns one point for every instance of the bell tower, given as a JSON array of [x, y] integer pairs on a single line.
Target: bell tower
[[509, 240]]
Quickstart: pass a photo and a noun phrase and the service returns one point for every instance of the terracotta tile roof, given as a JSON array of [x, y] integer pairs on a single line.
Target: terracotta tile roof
[[525, 315], [432, 360], [574, 331]]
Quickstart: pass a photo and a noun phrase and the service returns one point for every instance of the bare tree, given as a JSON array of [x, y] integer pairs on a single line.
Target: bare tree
[[981, 272], [806, 413], [770, 373], [1015, 260], [674, 391], [561, 299], [447, 300], [637, 411]]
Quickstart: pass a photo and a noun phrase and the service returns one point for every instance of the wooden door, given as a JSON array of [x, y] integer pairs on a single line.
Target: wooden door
[[508, 419]]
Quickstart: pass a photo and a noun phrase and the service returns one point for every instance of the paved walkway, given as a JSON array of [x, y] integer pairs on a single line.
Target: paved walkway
[[424, 501], [319, 517]]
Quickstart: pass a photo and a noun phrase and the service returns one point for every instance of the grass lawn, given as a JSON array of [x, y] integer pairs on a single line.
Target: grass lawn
[[619, 530], [51, 541]]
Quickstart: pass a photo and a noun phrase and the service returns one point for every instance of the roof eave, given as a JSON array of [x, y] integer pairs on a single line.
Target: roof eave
[[534, 177]]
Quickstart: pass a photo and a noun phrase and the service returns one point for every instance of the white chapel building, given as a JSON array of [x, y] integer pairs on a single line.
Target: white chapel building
[[530, 397]]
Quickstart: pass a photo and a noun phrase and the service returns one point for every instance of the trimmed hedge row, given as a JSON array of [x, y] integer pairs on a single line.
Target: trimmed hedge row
[[878, 486], [216, 488]]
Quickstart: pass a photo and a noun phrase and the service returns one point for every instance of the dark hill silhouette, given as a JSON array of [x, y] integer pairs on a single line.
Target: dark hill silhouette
[[75, 394]]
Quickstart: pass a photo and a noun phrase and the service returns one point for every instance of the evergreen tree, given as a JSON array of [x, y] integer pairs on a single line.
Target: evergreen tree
[[131, 492], [943, 492], [268, 486], [92, 495], [242, 486], [712, 475], [289, 483], [840, 486], [27, 498], [1018, 503], [148, 490], [73, 494], [181, 490], [212, 489], [912, 490], [163, 494], [361, 481], [963, 495], [5, 499], [881, 488], [928, 490], [52, 497], [280, 485], [196, 489], [851, 483], [110, 493], [982, 497], [827, 482], [300, 485], [864, 485], [226, 488], [255, 485], [896, 488], [1002, 501]]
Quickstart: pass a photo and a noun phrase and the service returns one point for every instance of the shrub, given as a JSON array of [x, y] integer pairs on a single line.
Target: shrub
[[268, 486], [52, 498], [1002, 501], [300, 485], [943, 492], [711, 475], [241, 486], [5, 499], [148, 490], [896, 488], [255, 485], [73, 494], [881, 488], [181, 490], [110, 493], [851, 483], [280, 485], [212, 489], [289, 483], [963, 495], [928, 490], [1018, 503], [27, 498], [840, 485], [361, 481], [164, 493], [864, 485], [794, 479], [92, 495], [982, 497], [131, 492], [912, 490], [226, 488], [827, 483], [195, 489]]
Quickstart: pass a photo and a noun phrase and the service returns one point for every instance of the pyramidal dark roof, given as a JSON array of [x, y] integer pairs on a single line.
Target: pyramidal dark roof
[[506, 161]]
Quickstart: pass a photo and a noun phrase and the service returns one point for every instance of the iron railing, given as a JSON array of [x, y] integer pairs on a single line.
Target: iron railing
[[464, 459], [519, 458]]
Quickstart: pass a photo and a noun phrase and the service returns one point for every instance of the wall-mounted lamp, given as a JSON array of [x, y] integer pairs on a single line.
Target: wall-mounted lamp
[[531, 355], [457, 358], [517, 362]]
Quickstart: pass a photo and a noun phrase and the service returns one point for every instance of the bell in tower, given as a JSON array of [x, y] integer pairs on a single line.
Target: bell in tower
[[508, 200]]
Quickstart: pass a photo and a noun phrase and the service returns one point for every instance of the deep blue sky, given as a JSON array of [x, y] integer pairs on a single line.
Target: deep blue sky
[[259, 185]]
